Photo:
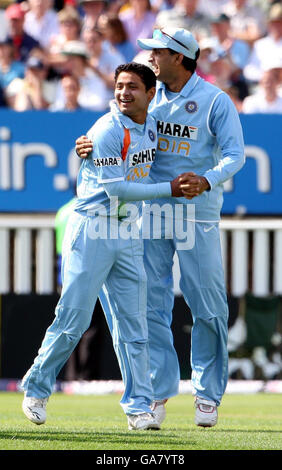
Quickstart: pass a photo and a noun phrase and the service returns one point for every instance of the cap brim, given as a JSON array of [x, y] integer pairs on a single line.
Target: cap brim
[[150, 44]]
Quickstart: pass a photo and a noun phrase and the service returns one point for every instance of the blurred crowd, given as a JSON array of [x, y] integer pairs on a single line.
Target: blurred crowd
[[61, 55]]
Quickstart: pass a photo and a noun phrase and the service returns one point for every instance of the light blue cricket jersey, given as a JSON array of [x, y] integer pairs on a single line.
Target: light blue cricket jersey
[[106, 164], [198, 130]]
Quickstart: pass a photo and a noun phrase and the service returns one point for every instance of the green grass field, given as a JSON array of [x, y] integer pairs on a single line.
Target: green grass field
[[75, 422]]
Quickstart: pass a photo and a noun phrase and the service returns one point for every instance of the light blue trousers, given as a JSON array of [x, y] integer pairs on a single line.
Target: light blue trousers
[[203, 287], [114, 268]]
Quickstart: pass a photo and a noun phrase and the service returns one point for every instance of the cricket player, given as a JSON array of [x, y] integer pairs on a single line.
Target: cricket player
[[102, 249], [199, 132]]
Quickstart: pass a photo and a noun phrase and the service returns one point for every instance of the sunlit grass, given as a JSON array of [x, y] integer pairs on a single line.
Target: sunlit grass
[[75, 422]]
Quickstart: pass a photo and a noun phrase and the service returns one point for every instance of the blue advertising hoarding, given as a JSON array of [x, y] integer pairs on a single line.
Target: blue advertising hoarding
[[257, 188], [38, 164]]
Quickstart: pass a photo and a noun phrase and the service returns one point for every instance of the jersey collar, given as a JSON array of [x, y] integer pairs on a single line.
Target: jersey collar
[[188, 87], [125, 120]]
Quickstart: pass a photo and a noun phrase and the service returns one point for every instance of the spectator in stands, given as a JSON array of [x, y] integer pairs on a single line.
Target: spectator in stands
[[41, 21], [92, 10], [216, 66], [247, 20], [71, 89], [267, 49], [185, 14], [212, 7], [138, 21], [34, 91], [225, 75], [9, 67], [114, 32], [23, 42], [233, 93], [4, 29], [160, 5], [237, 49], [266, 99], [40, 53], [278, 66], [69, 29], [208, 46], [103, 59], [221, 69], [93, 91]]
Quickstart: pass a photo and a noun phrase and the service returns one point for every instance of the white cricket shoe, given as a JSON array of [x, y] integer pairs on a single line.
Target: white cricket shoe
[[158, 408], [142, 421], [35, 409], [206, 413]]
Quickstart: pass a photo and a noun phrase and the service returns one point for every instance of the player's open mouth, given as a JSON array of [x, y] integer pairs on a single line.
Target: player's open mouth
[[155, 68], [125, 103]]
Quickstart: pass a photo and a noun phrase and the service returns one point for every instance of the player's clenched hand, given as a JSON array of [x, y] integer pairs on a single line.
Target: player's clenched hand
[[193, 185], [175, 184], [83, 146]]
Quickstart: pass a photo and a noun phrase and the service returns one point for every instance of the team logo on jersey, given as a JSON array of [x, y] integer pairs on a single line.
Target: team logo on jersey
[[152, 135], [107, 161], [191, 106]]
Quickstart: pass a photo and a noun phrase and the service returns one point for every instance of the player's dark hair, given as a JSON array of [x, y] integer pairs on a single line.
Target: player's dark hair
[[145, 73], [188, 64]]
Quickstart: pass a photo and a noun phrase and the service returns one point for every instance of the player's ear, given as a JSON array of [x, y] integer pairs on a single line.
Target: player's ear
[[178, 58], [151, 93]]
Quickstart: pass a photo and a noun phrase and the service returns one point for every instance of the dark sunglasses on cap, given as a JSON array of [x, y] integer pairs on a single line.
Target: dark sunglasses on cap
[[158, 34]]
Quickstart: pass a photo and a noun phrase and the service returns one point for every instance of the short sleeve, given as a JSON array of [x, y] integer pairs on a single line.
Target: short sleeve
[[106, 155]]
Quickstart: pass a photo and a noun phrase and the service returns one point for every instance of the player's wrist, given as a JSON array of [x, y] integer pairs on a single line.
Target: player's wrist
[[206, 184]]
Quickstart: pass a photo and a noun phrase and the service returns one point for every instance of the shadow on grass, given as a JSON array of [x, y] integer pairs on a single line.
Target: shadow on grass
[[119, 436], [93, 437]]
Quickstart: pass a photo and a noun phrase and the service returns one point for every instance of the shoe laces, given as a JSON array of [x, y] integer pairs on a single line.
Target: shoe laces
[[145, 416], [37, 402]]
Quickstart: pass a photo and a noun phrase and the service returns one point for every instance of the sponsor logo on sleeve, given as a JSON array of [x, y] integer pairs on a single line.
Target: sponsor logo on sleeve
[[107, 161]]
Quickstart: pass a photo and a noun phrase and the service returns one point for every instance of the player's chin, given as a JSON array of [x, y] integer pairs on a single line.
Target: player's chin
[[156, 70], [124, 106]]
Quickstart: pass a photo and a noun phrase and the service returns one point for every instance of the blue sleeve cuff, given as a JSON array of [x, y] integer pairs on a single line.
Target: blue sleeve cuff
[[164, 189]]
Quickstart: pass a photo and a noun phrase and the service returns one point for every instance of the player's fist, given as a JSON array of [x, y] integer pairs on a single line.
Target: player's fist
[[83, 146], [193, 185], [175, 184]]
